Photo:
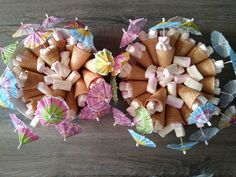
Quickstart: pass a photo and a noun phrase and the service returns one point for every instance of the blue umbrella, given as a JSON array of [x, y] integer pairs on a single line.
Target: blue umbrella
[[182, 147], [233, 60], [164, 24], [83, 35], [141, 140], [228, 93], [5, 100]]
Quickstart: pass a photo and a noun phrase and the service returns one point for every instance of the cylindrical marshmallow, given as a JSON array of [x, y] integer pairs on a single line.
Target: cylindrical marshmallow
[[152, 85], [73, 77], [194, 73], [62, 85], [174, 101], [191, 83], [182, 61], [82, 100], [171, 88]]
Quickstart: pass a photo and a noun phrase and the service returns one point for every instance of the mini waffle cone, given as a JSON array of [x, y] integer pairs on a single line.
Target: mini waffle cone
[[158, 120], [173, 115], [143, 98], [139, 87], [208, 96], [36, 51], [185, 112], [30, 93], [188, 95], [182, 47], [61, 45], [59, 93], [70, 48], [71, 101], [151, 48], [137, 73], [29, 61], [174, 38], [159, 96], [197, 55], [207, 68], [34, 101], [89, 77], [80, 87], [208, 84], [145, 60], [78, 58], [33, 79], [165, 57], [52, 56]]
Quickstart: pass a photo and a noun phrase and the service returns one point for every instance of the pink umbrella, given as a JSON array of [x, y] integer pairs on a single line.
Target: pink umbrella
[[25, 29], [120, 61], [26, 136], [75, 24], [51, 21], [121, 119], [17, 122]]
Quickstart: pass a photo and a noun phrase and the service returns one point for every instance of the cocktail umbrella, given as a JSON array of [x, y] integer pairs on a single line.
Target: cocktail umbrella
[[120, 118], [68, 129], [204, 134], [26, 136], [8, 83], [182, 147], [141, 140], [165, 24], [180, 19], [17, 122], [7, 51], [75, 24], [144, 121], [99, 96], [83, 35], [228, 93], [5, 100], [25, 29], [50, 22], [228, 117], [51, 110], [90, 114], [119, 62], [134, 28], [103, 62], [232, 60]]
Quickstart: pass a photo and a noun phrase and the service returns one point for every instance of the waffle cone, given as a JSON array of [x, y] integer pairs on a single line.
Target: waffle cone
[[139, 87], [30, 93], [34, 101], [51, 56], [61, 45], [185, 112], [207, 68], [70, 48], [173, 116], [150, 44], [197, 55], [36, 51], [188, 95], [208, 96], [89, 77], [29, 61], [145, 60], [59, 93], [33, 79], [158, 120], [80, 87], [159, 96], [208, 85], [165, 57], [182, 47], [78, 58], [71, 101], [143, 98], [174, 38], [137, 73]]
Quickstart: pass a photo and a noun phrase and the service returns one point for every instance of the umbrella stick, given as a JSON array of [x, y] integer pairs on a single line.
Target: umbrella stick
[[226, 93], [19, 146], [163, 20], [97, 119], [203, 136], [65, 139], [137, 144], [76, 18], [182, 144], [46, 15], [227, 62]]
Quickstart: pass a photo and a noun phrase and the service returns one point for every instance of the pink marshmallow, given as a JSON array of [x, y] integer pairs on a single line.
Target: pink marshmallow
[[152, 85], [82, 100], [57, 35], [125, 86], [171, 88], [182, 61], [180, 79], [150, 71], [166, 80], [127, 94], [174, 101]]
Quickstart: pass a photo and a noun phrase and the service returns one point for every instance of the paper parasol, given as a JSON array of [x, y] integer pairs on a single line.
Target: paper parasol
[[67, 129], [103, 62], [233, 60], [7, 51], [8, 83], [120, 61], [83, 35], [141, 140], [5, 100], [165, 24], [26, 136], [25, 29], [17, 122], [228, 93], [99, 96], [228, 117], [50, 21], [75, 24], [121, 119], [182, 147], [144, 121], [51, 110]]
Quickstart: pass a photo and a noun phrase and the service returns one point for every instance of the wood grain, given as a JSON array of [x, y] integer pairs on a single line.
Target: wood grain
[[103, 150]]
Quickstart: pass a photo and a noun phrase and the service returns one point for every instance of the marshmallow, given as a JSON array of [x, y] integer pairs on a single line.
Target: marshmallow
[[184, 35], [17, 70], [73, 77], [179, 131], [182, 61], [42, 87], [217, 91], [82, 100], [194, 73], [127, 94], [51, 41], [126, 70], [150, 71], [151, 107], [180, 79], [40, 65], [219, 64], [48, 71], [191, 83], [208, 50], [50, 79], [60, 69], [143, 36], [65, 58], [84, 47], [166, 80], [171, 88], [163, 43], [135, 51], [62, 85], [174, 101], [124, 86], [15, 62], [152, 34], [34, 122], [57, 35], [152, 85], [71, 40]]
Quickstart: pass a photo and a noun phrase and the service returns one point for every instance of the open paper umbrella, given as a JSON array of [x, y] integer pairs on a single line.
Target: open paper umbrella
[[228, 93], [144, 121], [5, 100], [141, 140], [121, 119], [25, 29], [165, 24], [90, 114], [75, 24], [51, 110], [26, 136], [67, 129], [7, 51], [228, 117], [8, 83], [182, 147], [103, 62], [50, 21], [17, 122], [180, 19], [204, 134], [83, 35], [120, 61], [99, 96]]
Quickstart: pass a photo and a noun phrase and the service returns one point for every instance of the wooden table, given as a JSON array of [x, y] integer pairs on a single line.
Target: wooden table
[[103, 150]]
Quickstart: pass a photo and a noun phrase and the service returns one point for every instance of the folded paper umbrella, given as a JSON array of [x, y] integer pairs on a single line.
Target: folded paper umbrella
[[99, 96], [134, 28], [190, 27], [26, 136], [68, 129], [228, 117], [83, 35], [182, 147], [103, 62], [51, 110], [141, 140], [7, 51], [75, 24], [228, 93], [17, 122], [144, 122], [204, 134], [120, 61], [121, 119], [5, 101], [50, 21], [8, 83], [25, 29], [232, 60]]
